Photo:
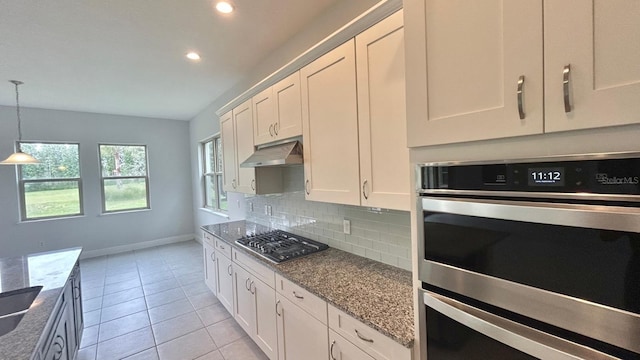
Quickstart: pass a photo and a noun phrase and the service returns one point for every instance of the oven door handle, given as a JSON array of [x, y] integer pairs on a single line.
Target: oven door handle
[[523, 338], [590, 216]]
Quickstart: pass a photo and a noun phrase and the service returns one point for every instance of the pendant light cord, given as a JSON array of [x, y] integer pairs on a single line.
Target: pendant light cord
[[18, 112]]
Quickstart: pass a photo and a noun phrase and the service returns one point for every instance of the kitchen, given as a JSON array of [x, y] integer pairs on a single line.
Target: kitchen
[[370, 226]]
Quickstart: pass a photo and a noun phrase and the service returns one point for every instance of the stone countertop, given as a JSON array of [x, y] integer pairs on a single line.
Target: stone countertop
[[51, 270], [376, 294]]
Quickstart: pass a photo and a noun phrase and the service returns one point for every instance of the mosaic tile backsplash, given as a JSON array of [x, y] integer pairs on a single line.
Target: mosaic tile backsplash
[[379, 234]]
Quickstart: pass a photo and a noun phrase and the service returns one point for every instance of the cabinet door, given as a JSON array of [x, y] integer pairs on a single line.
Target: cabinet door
[[244, 310], [599, 41], [265, 330], [330, 126], [227, 134], [341, 349], [62, 346], [264, 117], [288, 103], [384, 156], [243, 121], [77, 314], [300, 335], [224, 273], [464, 62], [210, 267]]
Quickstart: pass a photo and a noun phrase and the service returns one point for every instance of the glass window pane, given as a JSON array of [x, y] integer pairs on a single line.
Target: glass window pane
[[57, 161], [51, 198], [209, 160], [125, 194], [223, 194], [210, 192], [219, 164], [123, 160]]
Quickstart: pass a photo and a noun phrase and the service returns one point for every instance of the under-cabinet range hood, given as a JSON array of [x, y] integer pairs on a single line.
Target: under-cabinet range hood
[[282, 154]]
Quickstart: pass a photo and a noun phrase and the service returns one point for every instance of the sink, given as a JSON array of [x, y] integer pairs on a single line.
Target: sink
[[13, 305]]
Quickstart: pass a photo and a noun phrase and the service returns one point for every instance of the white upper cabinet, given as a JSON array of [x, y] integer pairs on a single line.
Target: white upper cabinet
[[277, 111], [474, 70], [599, 43], [384, 156], [237, 145], [330, 127], [491, 69]]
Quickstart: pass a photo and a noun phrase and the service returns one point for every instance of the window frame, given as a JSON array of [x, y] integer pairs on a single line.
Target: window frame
[[216, 175], [103, 178], [22, 182]]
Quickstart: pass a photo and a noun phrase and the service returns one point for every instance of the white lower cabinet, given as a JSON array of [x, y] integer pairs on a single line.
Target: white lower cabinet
[[300, 335], [210, 271], [342, 349], [224, 284]]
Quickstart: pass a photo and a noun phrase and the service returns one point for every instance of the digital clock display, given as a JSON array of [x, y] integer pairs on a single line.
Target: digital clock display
[[552, 176]]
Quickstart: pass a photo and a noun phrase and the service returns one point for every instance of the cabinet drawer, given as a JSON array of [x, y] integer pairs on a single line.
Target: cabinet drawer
[[258, 270], [312, 304], [371, 341], [223, 248], [208, 238], [341, 349]]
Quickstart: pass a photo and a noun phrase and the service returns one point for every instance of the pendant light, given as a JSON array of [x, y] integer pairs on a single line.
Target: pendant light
[[18, 157]]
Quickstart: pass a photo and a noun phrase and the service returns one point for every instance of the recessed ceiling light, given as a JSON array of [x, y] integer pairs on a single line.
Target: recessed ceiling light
[[193, 56], [224, 7]]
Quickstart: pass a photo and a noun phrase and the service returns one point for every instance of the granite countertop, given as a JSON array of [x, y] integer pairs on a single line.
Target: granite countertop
[[376, 294], [51, 270]]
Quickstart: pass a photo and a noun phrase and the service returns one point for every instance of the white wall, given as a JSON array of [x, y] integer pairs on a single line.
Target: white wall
[[170, 217], [206, 123]]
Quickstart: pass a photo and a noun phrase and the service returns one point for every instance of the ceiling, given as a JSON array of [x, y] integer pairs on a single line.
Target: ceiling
[[127, 57]]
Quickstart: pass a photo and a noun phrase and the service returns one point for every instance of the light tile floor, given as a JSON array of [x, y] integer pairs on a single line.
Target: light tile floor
[[153, 304]]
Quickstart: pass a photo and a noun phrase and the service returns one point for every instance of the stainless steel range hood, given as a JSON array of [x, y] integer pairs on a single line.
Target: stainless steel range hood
[[283, 154]]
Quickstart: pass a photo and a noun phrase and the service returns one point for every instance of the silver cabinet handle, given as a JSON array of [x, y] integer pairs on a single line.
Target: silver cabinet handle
[[253, 184], [306, 186], [520, 93], [229, 270], [298, 296], [277, 313], [246, 284], [212, 256], [271, 130], [364, 193], [252, 288], [333, 343], [362, 337], [518, 336], [276, 128], [565, 87]]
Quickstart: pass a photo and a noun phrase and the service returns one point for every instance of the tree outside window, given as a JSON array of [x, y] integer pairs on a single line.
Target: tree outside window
[[215, 197], [125, 180], [52, 188]]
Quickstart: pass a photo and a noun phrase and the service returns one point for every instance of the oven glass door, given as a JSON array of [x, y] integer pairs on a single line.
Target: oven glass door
[[519, 256]]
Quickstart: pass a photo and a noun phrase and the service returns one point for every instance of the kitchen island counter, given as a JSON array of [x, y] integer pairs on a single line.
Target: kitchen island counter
[[51, 270], [376, 294]]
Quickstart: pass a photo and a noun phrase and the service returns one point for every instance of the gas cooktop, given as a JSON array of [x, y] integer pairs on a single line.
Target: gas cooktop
[[278, 246]]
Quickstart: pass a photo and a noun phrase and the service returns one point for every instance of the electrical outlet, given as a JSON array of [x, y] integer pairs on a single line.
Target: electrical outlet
[[267, 210], [250, 206], [346, 226], [238, 202], [41, 243]]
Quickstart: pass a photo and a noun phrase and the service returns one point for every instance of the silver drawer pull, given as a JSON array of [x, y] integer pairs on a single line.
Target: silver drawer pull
[[565, 87], [306, 187], [520, 93], [297, 296], [278, 303], [229, 270], [363, 338], [333, 343], [221, 247]]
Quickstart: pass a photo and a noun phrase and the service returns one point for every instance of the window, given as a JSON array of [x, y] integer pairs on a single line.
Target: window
[[215, 197], [52, 188], [125, 180]]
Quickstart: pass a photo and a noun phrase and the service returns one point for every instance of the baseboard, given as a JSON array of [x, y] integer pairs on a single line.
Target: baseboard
[[137, 246]]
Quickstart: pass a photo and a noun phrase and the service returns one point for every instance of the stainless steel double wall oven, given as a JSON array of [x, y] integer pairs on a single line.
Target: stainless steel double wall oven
[[529, 259]]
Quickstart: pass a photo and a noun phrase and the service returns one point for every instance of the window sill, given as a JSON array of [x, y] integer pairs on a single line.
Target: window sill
[[28, 221], [123, 212], [217, 213]]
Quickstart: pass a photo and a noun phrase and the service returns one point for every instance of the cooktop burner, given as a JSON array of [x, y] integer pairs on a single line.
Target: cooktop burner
[[278, 246]]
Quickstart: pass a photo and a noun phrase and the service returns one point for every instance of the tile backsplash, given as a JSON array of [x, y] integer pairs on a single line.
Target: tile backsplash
[[379, 234]]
